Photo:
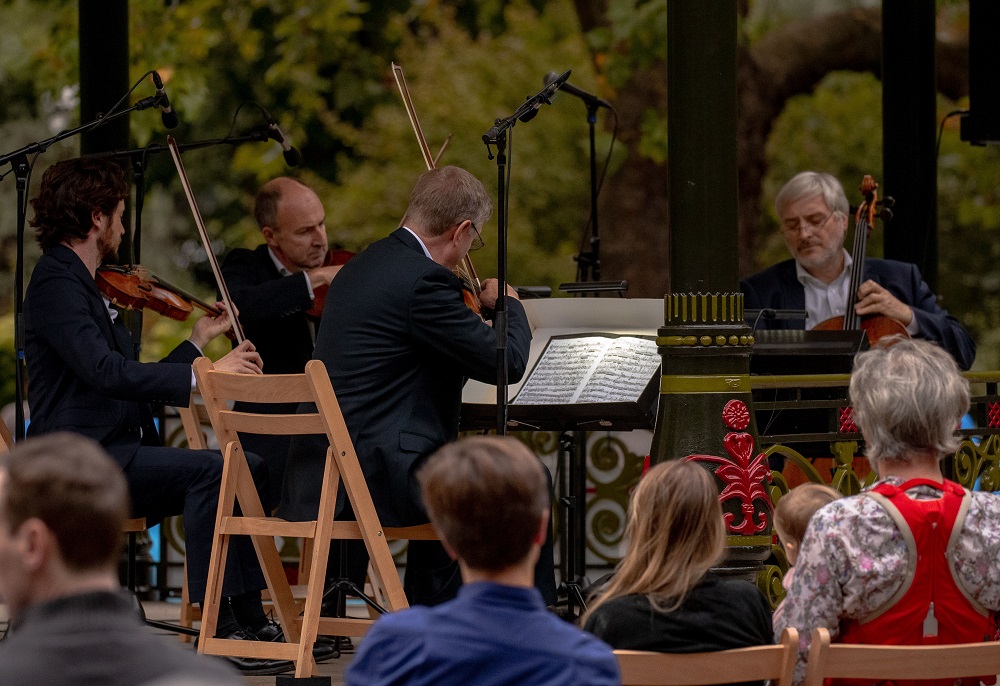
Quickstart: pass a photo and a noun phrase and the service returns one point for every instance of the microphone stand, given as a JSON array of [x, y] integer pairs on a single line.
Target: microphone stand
[[18, 160], [497, 136], [588, 265]]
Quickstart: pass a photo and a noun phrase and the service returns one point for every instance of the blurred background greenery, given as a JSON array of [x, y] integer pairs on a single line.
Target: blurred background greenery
[[322, 67]]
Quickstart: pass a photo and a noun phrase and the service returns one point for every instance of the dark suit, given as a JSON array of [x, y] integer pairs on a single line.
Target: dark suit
[[84, 378], [97, 638], [778, 288], [273, 313], [398, 343]]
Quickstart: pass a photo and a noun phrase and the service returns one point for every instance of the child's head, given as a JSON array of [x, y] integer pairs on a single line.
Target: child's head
[[792, 513]]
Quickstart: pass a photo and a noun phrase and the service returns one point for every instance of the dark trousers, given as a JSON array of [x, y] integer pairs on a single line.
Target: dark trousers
[[169, 481], [432, 577]]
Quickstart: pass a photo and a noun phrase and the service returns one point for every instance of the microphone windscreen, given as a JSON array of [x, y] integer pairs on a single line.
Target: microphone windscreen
[[293, 157]]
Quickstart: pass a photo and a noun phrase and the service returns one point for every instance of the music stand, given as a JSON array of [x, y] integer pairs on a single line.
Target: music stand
[[554, 319]]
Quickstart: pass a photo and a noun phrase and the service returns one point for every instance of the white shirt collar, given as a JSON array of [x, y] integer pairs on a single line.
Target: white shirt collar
[[282, 269], [422, 246]]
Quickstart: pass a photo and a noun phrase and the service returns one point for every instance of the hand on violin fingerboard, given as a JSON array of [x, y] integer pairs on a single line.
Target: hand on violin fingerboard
[[873, 299], [243, 359], [488, 294]]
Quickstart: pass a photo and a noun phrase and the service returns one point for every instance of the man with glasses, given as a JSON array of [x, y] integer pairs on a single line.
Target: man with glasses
[[813, 211], [399, 343]]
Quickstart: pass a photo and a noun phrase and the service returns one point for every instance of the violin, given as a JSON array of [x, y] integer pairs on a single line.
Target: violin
[[876, 326], [134, 287], [465, 271], [334, 257]]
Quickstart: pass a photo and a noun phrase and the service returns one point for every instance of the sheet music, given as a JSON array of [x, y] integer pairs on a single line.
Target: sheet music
[[591, 369]]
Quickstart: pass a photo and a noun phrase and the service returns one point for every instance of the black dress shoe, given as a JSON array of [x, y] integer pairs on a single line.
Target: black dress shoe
[[254, 666], [272, 632]]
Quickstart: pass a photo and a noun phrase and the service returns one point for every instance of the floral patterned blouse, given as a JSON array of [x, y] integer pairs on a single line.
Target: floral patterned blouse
[[853, 559]]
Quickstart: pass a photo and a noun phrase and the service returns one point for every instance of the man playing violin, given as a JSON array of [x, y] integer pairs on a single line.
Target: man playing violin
[[274, 287], [813, 211], [84, 378], [399, 343]]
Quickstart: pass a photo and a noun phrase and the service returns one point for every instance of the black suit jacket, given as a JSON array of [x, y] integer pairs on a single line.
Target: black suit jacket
[[398, 343], [82, 372], [272, 309], [778, 288]]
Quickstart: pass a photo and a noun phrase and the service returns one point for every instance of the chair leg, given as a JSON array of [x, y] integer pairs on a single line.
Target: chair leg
[[190, 613]]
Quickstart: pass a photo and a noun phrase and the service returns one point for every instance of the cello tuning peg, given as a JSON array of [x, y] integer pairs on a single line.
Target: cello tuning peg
[[885, 214], [888, 201]]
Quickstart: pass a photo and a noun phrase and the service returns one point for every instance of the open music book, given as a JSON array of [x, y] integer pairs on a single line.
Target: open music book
[[591, 368]]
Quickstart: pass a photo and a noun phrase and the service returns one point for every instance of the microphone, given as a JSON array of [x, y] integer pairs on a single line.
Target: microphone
[[546, 94], [293, 157], [167, 113], [567, 87]]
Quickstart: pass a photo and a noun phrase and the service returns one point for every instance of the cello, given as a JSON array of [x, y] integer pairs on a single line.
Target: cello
[[876, 326], [465, 270]]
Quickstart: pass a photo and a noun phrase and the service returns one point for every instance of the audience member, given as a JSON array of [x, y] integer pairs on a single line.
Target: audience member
[[62, 505], [663, 596], [915, 559], [791, 517], [487, 497]]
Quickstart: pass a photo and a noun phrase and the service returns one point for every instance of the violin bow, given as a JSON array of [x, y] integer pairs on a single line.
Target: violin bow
[[468, 271], [175, 153]]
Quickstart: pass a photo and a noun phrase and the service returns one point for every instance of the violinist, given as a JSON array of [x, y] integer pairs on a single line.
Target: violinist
[[399, 343], [274, 287], [84, 378], [813, 210]]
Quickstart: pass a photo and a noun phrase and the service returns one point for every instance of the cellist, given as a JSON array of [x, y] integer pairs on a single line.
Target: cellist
[[813, 211]]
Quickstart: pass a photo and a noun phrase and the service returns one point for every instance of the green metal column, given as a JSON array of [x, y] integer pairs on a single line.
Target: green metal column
[[706, 411], [909, 127]]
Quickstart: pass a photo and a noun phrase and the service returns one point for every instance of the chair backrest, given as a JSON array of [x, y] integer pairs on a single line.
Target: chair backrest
[[194, 419], [218, 387], [843, 661], [775, 662]]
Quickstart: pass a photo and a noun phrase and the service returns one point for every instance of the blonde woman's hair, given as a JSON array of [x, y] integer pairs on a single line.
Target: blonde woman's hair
[[675, 533]]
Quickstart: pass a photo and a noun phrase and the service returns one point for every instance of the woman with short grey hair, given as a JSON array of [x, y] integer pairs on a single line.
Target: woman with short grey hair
[[915, 558], [908, 398]]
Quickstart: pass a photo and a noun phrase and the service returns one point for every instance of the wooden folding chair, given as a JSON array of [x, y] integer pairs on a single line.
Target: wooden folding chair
[[6, 440], [852, 661], [775, 662], [237, 486]]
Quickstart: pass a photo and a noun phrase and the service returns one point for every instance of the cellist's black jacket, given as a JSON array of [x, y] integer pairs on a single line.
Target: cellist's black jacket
[[778, 288]]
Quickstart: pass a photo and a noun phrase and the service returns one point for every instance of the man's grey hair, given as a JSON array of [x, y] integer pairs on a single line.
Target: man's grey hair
[[445, 197], [908, 399], [808, 184]]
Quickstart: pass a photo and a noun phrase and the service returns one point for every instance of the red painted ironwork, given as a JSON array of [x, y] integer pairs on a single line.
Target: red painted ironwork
[[847, 425], [745, 476], [736, 415]]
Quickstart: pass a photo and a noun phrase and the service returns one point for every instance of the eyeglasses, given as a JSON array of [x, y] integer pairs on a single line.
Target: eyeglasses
[[814, 222], [477, 242]]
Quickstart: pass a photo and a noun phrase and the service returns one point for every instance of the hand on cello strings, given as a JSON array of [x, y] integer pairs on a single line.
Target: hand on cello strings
[[874, 299], [243, 359]]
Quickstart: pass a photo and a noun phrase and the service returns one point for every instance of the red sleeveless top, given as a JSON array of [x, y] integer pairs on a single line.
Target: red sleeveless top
[[931, 607]]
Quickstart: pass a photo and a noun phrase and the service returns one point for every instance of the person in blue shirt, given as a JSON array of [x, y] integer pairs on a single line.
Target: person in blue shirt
[[487, 498]]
